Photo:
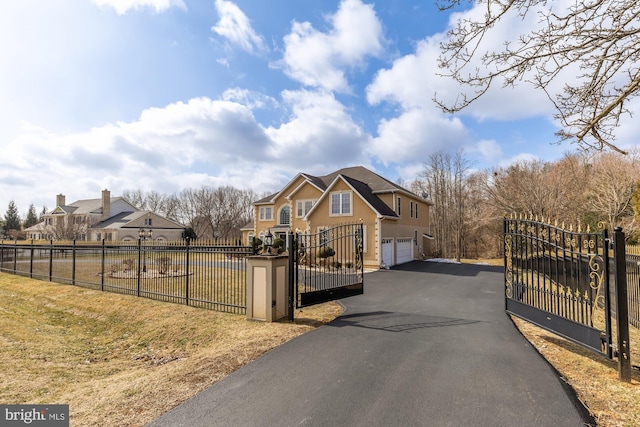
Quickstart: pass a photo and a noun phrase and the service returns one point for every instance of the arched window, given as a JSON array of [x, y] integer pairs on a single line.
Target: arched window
[[285, 216]]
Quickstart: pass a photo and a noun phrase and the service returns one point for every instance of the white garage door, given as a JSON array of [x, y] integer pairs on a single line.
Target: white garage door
[[387, 252], [405, 250]]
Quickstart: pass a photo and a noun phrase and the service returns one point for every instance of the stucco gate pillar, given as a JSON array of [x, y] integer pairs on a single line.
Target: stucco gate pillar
[[267, 287]]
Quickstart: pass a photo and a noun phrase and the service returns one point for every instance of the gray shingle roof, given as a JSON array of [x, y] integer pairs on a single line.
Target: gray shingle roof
[[119, 220], [375, 182], [366, 192]]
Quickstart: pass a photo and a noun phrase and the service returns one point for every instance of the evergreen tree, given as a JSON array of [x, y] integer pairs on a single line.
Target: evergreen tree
[[32, 218], [42, 214], [12, 220]]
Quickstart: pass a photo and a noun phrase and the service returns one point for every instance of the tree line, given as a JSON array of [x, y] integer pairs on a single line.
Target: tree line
[[594, 190], [208, 212]]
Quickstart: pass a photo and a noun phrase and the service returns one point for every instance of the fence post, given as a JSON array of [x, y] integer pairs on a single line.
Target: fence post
[[15, 257], [31, 260], [102, 262], [139, 262], [622, 308], [73, 262], [51, 260], [186, 280]]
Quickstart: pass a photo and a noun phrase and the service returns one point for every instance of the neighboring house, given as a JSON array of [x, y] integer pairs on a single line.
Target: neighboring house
[[108, 218], [395, 220]]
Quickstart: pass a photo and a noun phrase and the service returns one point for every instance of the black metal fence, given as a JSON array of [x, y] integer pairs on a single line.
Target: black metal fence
[[208, 275]]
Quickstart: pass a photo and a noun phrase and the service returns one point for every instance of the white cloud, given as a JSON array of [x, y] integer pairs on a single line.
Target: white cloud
[[184, 145], [411, 81], [123, 6], [320, 134], [415, 134], [521, 157], [490, 150], [165, 150], [319, 59], [236, 28], [415, 79], [250, 99]]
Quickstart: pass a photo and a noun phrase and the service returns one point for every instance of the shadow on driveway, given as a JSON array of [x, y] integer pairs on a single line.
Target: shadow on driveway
[[469, 270], [397, 322]]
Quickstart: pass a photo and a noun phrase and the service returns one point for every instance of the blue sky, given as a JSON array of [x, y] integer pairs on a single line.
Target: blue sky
[[169, 94]]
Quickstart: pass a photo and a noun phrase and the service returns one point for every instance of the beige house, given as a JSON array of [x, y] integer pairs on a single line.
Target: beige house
[[395, 220], [108, 218]]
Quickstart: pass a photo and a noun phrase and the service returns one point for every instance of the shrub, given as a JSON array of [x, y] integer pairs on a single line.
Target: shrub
[[278, 245], [325, 252]]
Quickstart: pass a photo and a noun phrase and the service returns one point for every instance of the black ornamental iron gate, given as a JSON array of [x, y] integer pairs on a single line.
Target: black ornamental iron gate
[[560, 280], [326, 266]]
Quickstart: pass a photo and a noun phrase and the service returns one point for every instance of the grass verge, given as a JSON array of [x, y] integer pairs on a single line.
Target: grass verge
[[122, 360]]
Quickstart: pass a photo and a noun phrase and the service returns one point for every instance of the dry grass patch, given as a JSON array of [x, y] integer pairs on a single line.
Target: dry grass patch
[[120, 360]]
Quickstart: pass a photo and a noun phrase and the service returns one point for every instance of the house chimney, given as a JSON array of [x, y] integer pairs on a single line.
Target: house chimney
[[106, 204], [60, 200]]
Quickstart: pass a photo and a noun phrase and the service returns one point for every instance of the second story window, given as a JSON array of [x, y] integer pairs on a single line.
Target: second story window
[[341, 203], [266, 213], [399, 207], [303, 207], [285, 216]]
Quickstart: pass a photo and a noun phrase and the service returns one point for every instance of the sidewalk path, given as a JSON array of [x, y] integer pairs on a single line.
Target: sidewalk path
[[427, 345]]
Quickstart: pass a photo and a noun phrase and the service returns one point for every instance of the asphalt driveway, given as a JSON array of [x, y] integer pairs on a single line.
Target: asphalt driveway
[[427, 345]]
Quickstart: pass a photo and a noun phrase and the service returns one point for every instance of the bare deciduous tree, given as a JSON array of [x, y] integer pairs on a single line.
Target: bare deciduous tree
[[215, 213], [553, 190], [445, 181], [611, 192], [600, 39]]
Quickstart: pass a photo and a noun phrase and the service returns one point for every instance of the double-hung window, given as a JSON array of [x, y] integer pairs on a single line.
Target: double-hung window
[[266, 214], [341, 203], [303, 207]]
